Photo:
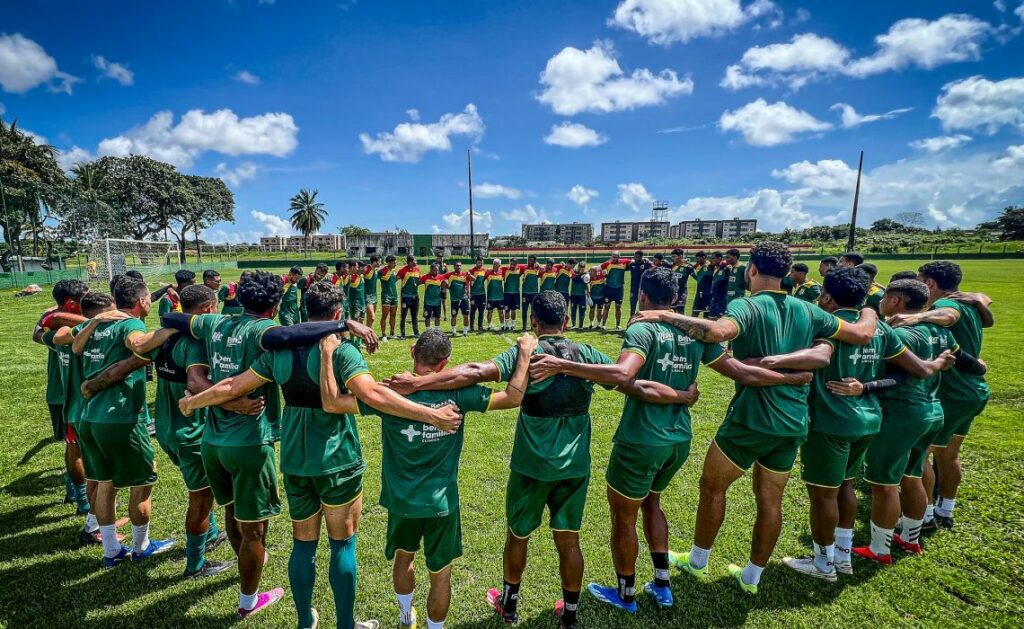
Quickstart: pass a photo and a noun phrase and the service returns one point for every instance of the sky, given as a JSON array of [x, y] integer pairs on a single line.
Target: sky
[[584, 110]]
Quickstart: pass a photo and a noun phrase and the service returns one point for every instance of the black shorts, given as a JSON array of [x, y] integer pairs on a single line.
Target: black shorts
[[460, 305], [700, 302], [410, 302], [496, 304], [565, 296], [578, 300], [613, 293], [432, 312], [512, 301], [529, 297], [60, 429], [478, 301]]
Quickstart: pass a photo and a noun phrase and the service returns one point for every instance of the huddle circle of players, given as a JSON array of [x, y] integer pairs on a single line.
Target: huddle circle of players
[[817, 372]]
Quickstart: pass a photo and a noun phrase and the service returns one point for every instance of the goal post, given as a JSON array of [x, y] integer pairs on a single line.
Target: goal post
[[114, 256]]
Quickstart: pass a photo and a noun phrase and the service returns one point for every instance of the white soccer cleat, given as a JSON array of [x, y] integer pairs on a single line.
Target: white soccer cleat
[[806, 565]]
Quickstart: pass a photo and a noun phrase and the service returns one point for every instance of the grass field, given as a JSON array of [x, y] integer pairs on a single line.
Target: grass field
[[969, 576]]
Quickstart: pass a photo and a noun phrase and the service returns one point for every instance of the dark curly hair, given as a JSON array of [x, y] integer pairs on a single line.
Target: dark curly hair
[[194, 296], [946, 275], [660, 285], [95, 303], [432, 347], [903, 275], [847, 286], [323, 298], [914, 293], [771, 258], [64, 290], [128, 291], [261, 291], [870, 269], [184, 277], [853, 256], [549, 308]]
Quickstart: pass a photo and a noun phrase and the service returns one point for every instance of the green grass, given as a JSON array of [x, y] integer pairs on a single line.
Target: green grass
[[970, 576]]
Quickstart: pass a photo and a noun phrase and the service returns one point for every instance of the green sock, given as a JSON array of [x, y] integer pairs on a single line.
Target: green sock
[[82, 498], [302, 577], [342, 575], [69, 485], [213, 531], [195, 552]]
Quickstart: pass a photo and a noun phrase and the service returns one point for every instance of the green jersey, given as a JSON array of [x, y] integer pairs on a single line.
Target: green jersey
[[563, 279], [737, 283], [957, 385], [168, 304], [788, 285], [70, 370], [495, 285], [229, 296], [615, 273], [432, 292], [370, 281], [547, 279], [917, 400], [478, 273], [57, 360], [233, 344], [125, 401], [388, 284], [171, 365], [356, 293], [772, 323], [852, 416], [420, 466], [700, 271], [410, 279], [876, 293], [531, 280], [513, 276], [457, 283], [808, 291], [579, 287], [671, 358], [290, 303], [313, 441], [550, 448]]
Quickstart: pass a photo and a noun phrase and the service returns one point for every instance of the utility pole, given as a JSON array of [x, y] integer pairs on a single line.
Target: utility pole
[[472, 238], [851, 243]]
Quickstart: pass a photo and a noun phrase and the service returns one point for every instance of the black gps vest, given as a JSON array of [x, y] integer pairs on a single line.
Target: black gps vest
[[301, 391], [566, 396], [166, 368]]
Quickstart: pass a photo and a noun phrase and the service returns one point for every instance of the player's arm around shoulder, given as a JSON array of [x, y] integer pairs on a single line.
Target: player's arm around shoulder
[[513, 394], [706, 330], [859, 332]]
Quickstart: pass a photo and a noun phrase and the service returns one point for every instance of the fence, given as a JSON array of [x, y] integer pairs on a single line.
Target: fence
[[21, 279]]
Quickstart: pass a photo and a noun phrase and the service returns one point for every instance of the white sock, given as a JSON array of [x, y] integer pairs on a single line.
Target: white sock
[[699, 557], [843, 545], [247, 601], [752, 574], [945, 507], [91, 525], [824, 557], [881, 540], [404, 605], [140, 537], [911, 532], [929, 513], [435, 624], [111, 547]]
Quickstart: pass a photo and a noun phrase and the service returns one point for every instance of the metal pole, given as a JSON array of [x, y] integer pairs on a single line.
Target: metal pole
[[852, 242], [110, 269], [469, 169]]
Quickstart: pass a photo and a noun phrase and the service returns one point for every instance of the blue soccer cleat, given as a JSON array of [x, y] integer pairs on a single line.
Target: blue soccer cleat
[[156, 547], [610, 596], [661, 595], [113, 562]]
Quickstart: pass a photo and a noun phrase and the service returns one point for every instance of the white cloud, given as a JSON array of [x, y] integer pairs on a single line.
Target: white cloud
[[577, 80], [999, 5], [768, 125], [581, 195], [1013, 158], [852, 119], [410, 140], [941, 143], [574, 135], [3, 109], [72, 156], [459, 222], [233, 237], [117, 71], [977, 102], [244, 76], [827, 176], [234, 176], [25, 65], [634, 196], [495, 190], [221, 131], [805, 58], [526, 214], [38, 139], [414, 114], [273, 225], [668, 21], [774, 210], [1019, 11]]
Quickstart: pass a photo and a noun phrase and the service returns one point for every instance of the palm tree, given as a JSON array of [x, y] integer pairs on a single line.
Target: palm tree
[[30, 180], [308, 214]]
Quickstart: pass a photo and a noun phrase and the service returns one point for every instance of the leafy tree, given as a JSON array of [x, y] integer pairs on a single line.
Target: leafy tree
[[308, 214], [911, 220], [886, 225], [32, 184], [355, 230], [1011, 223], [201, 202]]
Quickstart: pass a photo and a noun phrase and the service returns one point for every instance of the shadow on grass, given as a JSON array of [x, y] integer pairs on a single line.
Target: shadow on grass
[[36, 449], [39, 483], [13, 523]]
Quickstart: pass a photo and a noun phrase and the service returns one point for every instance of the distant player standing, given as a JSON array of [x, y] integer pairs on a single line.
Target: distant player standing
[[719, 286], [578, 296], [477, 295], [599, 309], [432, 283], [494, 279], [564, 278], [370, 278], [804, 288], [636, 268], [171, 301], [409, 278], [615, 281], [877, 292], [737, 276], [458, 282], [683, 270], [513, 300], [288, 313], [355, 296], [388, 297], [531, 287]]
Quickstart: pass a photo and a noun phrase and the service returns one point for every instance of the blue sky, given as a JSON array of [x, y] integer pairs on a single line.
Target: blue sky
[[582, 111]]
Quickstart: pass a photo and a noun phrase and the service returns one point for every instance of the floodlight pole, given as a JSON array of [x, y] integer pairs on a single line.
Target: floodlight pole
[[851, 243], [472, 240]]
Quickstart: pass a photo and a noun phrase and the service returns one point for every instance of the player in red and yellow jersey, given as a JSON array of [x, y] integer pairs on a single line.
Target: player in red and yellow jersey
[[494, 281]]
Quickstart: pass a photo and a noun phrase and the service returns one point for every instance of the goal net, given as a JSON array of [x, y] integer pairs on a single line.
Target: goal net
[[113, 256]]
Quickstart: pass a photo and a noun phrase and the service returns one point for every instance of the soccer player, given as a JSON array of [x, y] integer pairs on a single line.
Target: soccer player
[[719, 285], [419, 486], [564, 278], [370, 277], [288, 313], [805, 288], [903, 275], [653, 439], [409, 277], [549, 275], [432, 283], [442, 269], [321, 457], [599, 307], [341, 278], [826, 265], [841, 428], [228, 295], [171, 301], [636, 268], [763, 426], [578, 296], [112, 430], [494, 279], [877, 292], [388, 297], [513, 280], [531, 286], [702, 273], [615, 281], [737, 276], [478, 295], [683, 271], [355, 295], [458, 282], [963, 396], [851, 259]]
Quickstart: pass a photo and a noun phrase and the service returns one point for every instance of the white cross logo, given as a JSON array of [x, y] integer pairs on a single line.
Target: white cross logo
[[665, 362], [411, 432]]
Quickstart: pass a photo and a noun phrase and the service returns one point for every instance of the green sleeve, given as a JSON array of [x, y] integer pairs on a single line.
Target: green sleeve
[[348, 363], [712, 352], [222, 294], [824, 324], [164, 306], [78, 328], [593, 356], [892, 345], [48, 338], [264, 366], [195, 354], [740, 313], [814, 292], [639, 339], [367, 410], [473, 399], [506, 363], [202, 325], [949, 303]]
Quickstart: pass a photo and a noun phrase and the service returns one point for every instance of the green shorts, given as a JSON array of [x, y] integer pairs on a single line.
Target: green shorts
[[357, 313], [958, 415], [189, 460], [899, 450], [828, 460], [307, 494], [745, 446], [287, 319], [526, 497], [636, 470], [245, 476], [119, 453], [371, 300], [389, 300], [442, 538]]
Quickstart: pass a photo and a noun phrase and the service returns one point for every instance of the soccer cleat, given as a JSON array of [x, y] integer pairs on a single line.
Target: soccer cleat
[[865, 552], [494, 600], [736, 572], [407, 622], [559, 608], [367, 624], [316, 618], [214, 543], [156, 547], [944, 522], [263, 601], [806, 565], [907, 547], [844, 567], [610, 596], [95, 538], [209, 569], [662, 595], [465, 333], [113, 562], [682, 562], [929, 526]]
